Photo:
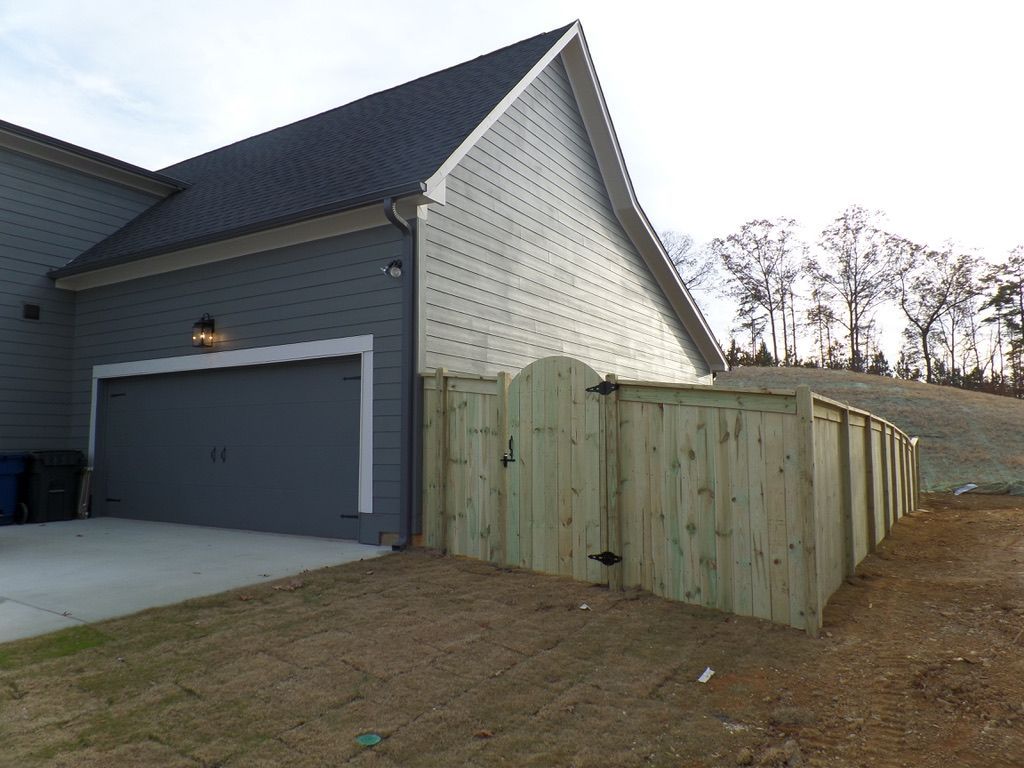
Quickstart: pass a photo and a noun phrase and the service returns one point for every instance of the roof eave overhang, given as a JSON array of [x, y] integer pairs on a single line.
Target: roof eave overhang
[[315, 224], [49, 149], [572, 47]]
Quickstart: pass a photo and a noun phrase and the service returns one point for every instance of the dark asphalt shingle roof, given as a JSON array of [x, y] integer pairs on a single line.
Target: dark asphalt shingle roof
[[383, 144]]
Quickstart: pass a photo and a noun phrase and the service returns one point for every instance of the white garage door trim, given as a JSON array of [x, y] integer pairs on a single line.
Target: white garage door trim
[[282, 353]]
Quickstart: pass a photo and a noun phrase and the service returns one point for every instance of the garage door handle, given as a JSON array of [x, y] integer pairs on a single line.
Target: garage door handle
[[224, 454], [213, 454]]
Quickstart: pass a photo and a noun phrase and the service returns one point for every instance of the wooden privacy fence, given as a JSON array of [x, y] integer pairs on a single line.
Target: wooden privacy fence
[[757, 503]]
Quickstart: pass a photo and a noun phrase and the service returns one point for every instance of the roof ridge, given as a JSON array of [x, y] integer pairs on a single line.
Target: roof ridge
[[555, 32]]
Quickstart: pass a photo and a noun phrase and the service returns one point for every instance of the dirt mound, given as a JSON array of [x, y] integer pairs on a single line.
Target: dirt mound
[[966, 437]]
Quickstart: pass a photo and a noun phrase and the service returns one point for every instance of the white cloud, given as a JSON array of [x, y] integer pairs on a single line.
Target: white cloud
[[726, 111]]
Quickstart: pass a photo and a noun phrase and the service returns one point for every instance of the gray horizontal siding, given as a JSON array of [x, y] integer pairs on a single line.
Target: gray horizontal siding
[[330, 288], [48, 215], [527, 258]]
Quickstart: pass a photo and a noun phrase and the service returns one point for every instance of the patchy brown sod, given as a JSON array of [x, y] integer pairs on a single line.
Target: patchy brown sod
[[457, 663]]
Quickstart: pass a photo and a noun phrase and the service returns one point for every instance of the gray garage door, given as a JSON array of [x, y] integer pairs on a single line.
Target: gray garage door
[[267, 448]]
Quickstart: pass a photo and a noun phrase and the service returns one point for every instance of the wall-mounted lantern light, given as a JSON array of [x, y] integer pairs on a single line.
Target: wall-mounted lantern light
[[202, 332], [394, 269]]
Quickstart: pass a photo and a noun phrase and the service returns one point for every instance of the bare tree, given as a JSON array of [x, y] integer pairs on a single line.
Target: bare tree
[[933, 286], [822, 318], [762, 264], [954, 324], [751, 323], [857, 268], [1007, 305], [791, 254], [696, 267]]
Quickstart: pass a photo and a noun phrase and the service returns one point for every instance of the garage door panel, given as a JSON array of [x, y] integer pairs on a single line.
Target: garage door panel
[[324, 467], [171, 427], [138, 412], [297, 424], [273, 448], [276, 384], [193, 464], [164, 501]]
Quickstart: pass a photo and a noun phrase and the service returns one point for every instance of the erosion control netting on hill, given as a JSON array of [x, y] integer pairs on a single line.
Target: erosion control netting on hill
[[965, 437], [1014, 488]]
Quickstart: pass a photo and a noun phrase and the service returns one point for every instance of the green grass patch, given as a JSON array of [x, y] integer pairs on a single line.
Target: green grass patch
[[56, 645]]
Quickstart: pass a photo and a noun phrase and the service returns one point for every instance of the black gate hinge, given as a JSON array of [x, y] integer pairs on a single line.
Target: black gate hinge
[[604, 388], [606, 558]]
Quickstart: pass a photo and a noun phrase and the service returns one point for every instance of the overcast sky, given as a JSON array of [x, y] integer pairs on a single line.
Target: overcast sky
[[726, 111]]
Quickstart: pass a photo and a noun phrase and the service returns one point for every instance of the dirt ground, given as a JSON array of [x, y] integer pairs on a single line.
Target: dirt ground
[[457, 663]]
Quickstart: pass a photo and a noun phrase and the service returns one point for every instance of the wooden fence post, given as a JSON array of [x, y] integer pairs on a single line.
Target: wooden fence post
[[916, 445], [894, 487], [613, 520], [808, 508], [846, 481], [869, 480], [905, 473], [441, 455], [886, 483], [504, 435], [908, 463]]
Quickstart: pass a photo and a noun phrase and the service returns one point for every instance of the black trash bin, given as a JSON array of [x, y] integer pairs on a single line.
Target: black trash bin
[[53, 485], [12, 465]]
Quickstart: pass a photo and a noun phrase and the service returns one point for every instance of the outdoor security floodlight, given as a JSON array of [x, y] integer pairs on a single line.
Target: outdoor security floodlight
[[394, 269], [202, 332]]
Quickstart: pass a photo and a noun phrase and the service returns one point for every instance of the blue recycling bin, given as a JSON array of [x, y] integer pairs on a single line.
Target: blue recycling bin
[[11, 468]]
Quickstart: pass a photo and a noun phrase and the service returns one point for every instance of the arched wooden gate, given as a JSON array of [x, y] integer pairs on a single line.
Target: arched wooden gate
[[524, 459], [556, 507]]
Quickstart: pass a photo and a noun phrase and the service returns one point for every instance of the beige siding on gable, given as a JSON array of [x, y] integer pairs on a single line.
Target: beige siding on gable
[[526, 259]]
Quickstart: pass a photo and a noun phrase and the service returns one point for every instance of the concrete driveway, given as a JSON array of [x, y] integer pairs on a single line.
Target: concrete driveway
[[59, 575]]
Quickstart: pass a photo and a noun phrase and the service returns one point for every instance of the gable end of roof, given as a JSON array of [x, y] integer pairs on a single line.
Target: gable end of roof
[[572, 48]]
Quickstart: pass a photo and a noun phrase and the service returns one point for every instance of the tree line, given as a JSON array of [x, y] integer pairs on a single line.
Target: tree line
[[817, 304]]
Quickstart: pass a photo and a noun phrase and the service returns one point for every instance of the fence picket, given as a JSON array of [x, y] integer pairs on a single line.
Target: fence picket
[[757, 479], [747, 502]]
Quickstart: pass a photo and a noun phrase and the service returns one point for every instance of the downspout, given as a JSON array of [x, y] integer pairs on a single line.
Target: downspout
[[410, 411]]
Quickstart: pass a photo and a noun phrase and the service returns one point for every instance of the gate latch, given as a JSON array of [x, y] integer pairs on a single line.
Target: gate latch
[[508, 455], [604, 388], [606, 558]]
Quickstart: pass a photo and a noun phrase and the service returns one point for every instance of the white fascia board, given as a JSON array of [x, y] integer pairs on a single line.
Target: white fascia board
[[596, 118], [281, 353], [455, 158], [330, 225], [83, 164], [222, 250]]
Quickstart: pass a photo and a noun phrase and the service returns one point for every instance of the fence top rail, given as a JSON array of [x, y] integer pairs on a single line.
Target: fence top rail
[[698, 395], [706, 387], [823, 400], [779, 393], [836, 404], [430, 380], [755, 399]]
